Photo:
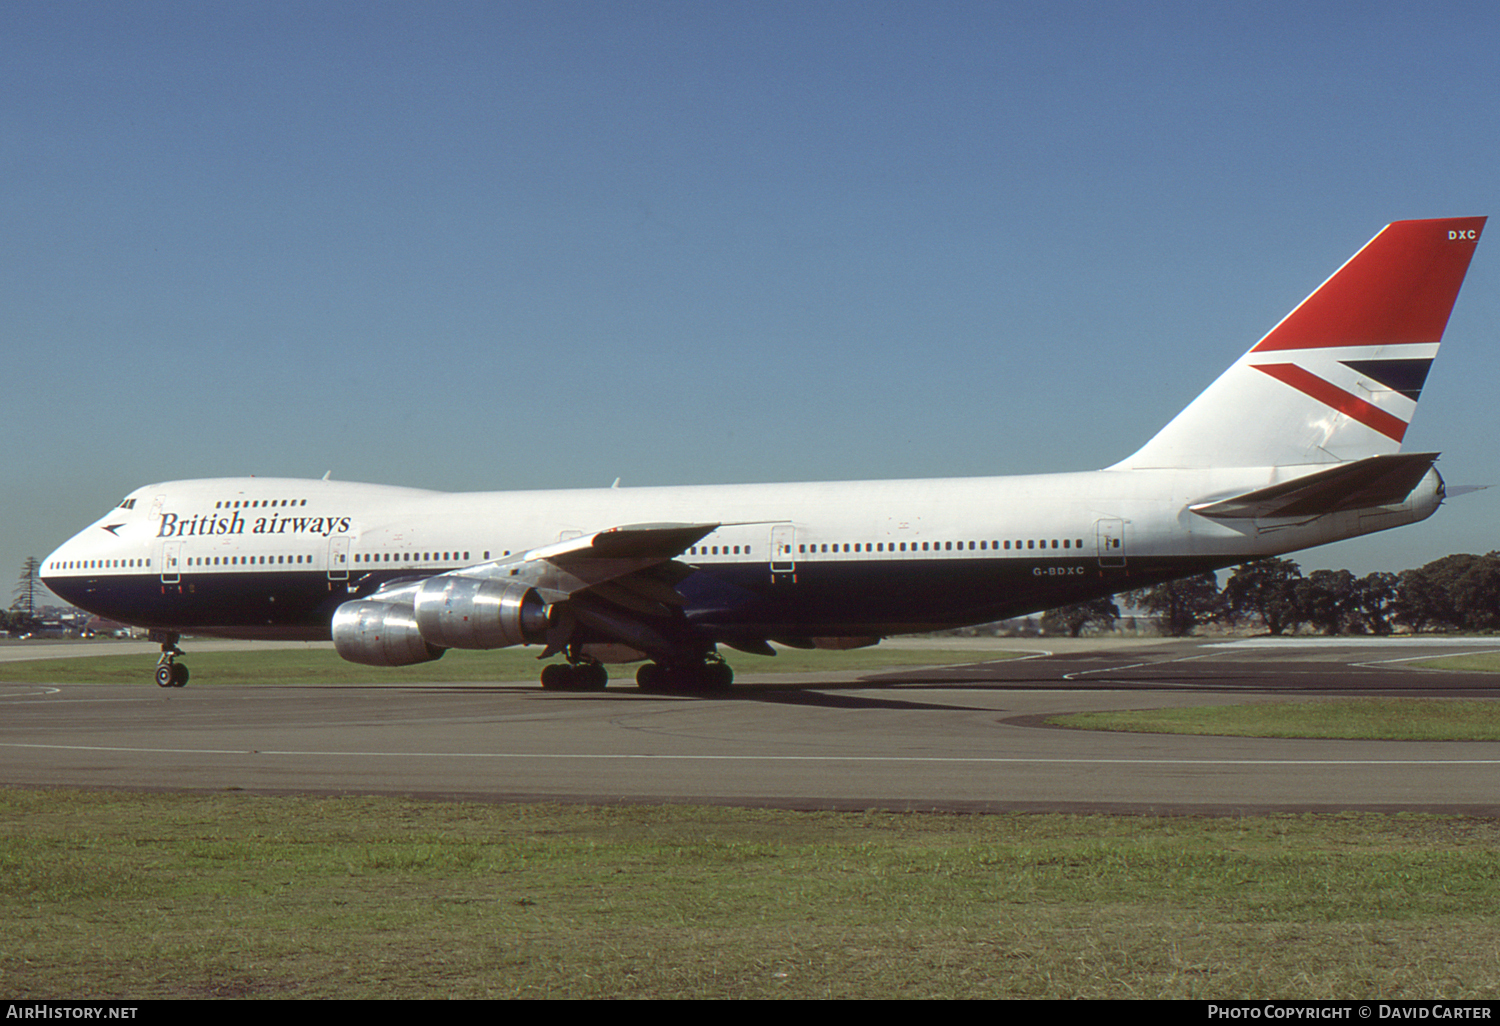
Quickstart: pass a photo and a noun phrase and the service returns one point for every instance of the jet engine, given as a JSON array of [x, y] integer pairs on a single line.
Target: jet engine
[[380, 634], [419, 623], [479, 612]]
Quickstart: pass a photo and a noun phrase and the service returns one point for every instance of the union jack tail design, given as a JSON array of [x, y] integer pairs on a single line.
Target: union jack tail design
[[1339, 378]]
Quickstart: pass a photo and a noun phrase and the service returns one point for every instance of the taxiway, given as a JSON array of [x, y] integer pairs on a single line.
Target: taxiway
[[961, 738]]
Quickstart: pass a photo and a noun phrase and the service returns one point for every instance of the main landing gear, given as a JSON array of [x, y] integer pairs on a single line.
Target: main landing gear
[[585, 675], [713, 674], [169, 674]]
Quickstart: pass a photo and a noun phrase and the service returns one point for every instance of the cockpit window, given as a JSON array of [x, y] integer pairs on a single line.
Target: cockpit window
[[127, 504]]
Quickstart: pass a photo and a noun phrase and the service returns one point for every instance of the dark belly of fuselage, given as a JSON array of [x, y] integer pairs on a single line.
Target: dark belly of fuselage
[[823, 598]]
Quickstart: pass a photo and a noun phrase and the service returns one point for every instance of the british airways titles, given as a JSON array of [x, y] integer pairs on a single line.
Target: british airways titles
[[198, 525]]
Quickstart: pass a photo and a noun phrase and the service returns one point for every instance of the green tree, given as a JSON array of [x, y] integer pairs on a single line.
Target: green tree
[[1072, 620], [1457, 592], [1374, 603], [1180, 606], [1476, 594], [1422, 596], [28, 589], [1266, 588], [1325, 599]]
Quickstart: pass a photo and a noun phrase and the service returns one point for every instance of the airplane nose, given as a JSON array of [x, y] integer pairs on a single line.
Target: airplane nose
[[68, 572]]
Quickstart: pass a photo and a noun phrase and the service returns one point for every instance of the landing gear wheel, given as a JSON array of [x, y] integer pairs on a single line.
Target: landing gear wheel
[[718, 676], [651, 677], [592, 676], [579, 677], [169, 674], [685, 679]]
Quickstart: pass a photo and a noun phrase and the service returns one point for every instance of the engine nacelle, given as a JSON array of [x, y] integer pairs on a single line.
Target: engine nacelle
[[380, 634], [477, 612]]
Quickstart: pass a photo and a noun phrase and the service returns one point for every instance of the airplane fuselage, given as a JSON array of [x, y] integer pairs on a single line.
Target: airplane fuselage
[[272, 558]]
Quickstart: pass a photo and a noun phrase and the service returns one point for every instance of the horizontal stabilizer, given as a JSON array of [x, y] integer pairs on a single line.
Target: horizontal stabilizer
[[1375, 481]]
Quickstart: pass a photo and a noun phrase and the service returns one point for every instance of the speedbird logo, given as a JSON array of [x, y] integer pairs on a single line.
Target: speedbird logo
[[1347, 403]]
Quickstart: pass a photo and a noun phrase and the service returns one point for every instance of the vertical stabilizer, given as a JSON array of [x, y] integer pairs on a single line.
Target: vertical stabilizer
[[1339, 378]]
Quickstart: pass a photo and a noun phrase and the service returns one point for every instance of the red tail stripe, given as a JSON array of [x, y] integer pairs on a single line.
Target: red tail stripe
[[1399, 288], [1326, 392]]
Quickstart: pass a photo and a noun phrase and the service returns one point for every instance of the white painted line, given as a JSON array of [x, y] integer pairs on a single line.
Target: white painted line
[[36, 691], [1429, 655], [1133, 666]]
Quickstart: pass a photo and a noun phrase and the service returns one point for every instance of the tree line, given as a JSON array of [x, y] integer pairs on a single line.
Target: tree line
[[1459, 592]]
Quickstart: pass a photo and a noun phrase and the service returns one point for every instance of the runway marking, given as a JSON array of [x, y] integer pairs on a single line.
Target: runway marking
[[144, 751], [1410, 659], [33, 693], [1132, 666], [595, 756]]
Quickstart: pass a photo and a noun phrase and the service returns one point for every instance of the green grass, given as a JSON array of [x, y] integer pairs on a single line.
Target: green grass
[[1485, 662], [138, 896], [1391, 719], [323, 666]]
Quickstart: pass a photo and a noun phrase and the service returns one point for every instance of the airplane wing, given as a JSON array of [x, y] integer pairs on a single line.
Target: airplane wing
[[620, 582], [615, 581], [1375, 481], [616, 564]]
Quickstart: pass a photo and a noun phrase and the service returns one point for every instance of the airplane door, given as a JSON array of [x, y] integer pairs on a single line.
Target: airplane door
[[171, 558], [1110, 534], [338, 558], [783, 558]]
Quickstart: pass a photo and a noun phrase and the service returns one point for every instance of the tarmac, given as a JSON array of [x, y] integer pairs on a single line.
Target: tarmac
[[959, 738]]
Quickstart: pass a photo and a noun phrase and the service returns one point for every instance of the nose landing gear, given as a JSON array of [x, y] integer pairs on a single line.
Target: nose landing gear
[[169, 674]]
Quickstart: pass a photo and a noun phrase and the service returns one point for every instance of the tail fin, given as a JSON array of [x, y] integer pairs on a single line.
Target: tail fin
[[1338, 379]]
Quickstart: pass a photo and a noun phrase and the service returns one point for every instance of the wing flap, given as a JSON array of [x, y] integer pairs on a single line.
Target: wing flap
[[648, 541], [623, 565], [1375, 481]]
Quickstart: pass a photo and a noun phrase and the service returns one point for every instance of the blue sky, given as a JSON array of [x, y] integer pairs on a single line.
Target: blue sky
[[495, 245]]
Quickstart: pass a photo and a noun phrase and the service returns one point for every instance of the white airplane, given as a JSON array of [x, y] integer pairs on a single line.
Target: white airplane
[[1297, 444]]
